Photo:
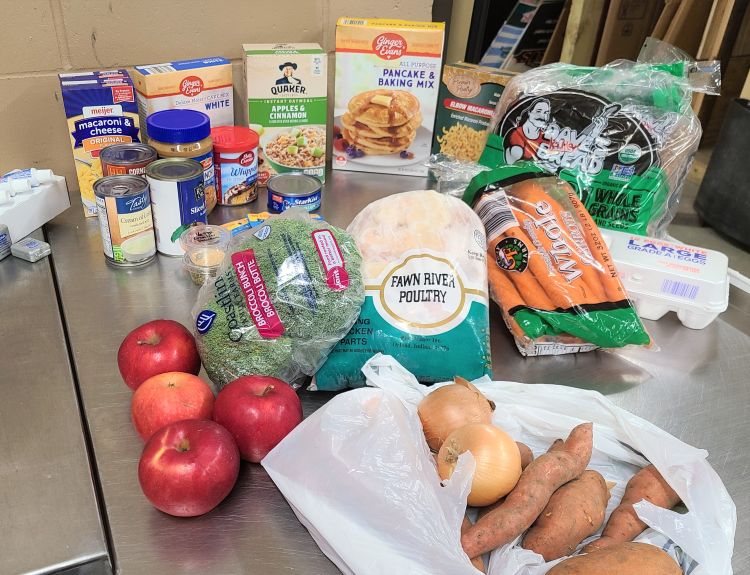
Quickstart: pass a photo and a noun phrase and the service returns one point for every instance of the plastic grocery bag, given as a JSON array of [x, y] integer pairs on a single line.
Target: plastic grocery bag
[[359, 475], [623, 135], [425, 274], [286, 292]]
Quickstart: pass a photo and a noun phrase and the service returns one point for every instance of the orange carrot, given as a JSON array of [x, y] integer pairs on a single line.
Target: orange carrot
[[610, 279], [531, 195], [525, 284]]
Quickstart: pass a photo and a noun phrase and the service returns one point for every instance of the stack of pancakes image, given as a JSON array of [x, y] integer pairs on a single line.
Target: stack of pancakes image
[[381, 121]]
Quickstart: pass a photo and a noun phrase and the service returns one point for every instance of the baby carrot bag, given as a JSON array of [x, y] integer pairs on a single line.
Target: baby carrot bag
[[548, 267]]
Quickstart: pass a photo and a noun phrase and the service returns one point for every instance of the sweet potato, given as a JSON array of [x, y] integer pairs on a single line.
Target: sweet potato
[[622, 559], [623, 524], [575, 511], [529, 497], [526, 455], [478, 562]]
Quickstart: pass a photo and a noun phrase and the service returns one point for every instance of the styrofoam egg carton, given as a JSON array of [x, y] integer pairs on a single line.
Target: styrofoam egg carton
[[662, 276]]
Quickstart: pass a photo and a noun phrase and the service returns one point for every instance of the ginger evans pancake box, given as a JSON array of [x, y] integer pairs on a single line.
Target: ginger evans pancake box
[[387, 81]]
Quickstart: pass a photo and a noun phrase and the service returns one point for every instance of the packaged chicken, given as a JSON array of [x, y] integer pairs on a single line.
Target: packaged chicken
[[425, 275]]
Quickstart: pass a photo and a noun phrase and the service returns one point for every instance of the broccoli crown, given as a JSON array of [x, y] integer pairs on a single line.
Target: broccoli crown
[[315, 316]]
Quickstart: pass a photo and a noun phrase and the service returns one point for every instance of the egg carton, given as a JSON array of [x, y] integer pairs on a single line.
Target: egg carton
[[34, 207], [663, 275]]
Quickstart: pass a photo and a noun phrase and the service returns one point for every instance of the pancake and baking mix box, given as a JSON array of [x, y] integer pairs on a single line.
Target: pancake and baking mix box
[[387, 81], [101, 110]]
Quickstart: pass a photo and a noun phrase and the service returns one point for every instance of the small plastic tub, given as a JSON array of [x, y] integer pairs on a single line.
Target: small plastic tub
[[205, 247]]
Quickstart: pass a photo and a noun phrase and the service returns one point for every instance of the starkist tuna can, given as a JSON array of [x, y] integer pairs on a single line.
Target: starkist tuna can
[[178, 200], [124, 208], [293, 189]]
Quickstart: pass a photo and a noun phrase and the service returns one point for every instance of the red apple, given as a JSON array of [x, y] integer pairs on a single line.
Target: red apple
[[259, 412], [157, 347], [188, 467], [169, 397]]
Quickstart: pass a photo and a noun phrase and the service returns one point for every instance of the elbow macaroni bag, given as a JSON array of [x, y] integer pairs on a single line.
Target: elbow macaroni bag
[[426, 301], [549, 268]]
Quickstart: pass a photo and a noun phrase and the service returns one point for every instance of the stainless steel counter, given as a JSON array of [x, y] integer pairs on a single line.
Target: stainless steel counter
[[49, 519], [694, 387]]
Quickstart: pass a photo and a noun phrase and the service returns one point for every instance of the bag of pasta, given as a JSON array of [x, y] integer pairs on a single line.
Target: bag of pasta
[[549, 269]]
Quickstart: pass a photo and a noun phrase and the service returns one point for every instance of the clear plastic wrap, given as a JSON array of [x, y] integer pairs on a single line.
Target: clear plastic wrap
[[425, 272], [623, 135], [286, 293], [359, 475], [549, 269], [452, 174]]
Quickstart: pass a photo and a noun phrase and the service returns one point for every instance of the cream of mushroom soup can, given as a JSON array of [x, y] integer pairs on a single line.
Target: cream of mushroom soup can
[[124, 208], [178, 200]]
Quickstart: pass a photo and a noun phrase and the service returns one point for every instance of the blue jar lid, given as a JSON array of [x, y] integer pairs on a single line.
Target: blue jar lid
[[178, 126]]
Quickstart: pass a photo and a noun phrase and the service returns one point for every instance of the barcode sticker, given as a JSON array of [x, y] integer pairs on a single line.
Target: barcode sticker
[[157, 68], [496, 215], [680, 289]]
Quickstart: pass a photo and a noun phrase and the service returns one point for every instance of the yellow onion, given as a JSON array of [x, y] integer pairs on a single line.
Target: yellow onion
[[498, 461], [450, 407]]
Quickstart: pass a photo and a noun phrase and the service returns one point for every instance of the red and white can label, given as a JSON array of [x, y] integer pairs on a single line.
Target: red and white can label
[[258, 302], [333, 262]]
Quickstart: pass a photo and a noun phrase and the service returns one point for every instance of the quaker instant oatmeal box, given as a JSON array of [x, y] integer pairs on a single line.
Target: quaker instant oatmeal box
[[287, 105]]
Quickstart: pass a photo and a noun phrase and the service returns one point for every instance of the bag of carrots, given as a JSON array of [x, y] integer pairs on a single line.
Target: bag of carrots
[[549, 269]]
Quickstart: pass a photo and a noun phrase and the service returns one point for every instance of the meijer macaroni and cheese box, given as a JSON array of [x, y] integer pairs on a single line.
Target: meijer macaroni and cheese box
[[287, 105], [387, 80], [203, 84], [101, 110]]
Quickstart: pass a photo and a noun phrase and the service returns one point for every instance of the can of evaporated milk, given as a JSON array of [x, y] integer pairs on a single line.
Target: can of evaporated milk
[[124, 207], [177, 199], [126, 159], [293, 189]]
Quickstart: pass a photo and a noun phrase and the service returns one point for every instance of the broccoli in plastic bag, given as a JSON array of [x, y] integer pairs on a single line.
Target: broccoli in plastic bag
[[286, 293]]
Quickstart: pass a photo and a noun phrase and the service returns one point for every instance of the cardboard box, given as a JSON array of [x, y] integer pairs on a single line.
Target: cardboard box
[[466, 101], [287, 89], [627, 25], [387, 81], [101, 110], [203, 84]]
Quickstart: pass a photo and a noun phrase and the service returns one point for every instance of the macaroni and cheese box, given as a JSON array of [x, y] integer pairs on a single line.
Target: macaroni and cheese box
[[466, 101], [387, 79], [287, 105], [204, 84], [101, 110]]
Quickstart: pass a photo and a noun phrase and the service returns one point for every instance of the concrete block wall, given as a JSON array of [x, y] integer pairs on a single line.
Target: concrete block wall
[[43, 37]]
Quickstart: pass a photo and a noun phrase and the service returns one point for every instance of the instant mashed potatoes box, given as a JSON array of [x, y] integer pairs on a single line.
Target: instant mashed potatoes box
[[101, 110], [203, 84], [387, 80], [287, 104]]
